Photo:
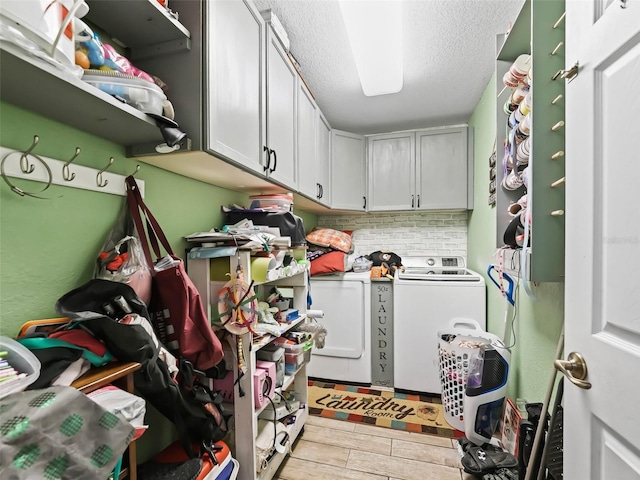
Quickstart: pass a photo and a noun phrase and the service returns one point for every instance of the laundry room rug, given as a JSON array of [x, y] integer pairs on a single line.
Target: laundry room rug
[[411, 413]]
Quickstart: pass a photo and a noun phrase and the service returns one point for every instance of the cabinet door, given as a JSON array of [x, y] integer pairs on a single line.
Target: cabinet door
[[306, 135], [281, 113], [348, 171], [323, 162], [391, 160], [441, 156], [234, 109]]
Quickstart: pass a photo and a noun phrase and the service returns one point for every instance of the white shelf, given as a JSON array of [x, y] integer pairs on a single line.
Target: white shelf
[[147, 28], [294, 430], [266, 339], [244, 411], [51, 91]]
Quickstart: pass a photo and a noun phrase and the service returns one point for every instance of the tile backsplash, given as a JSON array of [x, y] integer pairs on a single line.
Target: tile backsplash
[[406, 234]]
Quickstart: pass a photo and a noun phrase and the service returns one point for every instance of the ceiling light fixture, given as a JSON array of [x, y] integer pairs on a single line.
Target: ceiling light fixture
[[374, 28]]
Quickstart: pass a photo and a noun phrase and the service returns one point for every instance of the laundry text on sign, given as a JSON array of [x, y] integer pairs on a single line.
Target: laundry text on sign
[[382, 333]]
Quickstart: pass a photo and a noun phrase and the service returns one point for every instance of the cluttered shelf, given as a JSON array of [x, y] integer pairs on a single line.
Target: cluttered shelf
[[261, 341], [293, 431]]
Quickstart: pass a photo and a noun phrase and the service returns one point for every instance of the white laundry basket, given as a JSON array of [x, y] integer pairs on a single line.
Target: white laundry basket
[[456, 346]]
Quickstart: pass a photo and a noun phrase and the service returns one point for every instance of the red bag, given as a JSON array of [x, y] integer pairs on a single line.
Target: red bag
[[176, 308]]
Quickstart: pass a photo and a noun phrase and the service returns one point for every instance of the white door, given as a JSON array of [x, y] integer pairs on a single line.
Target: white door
[[235, 82], [323, 164], [441, 166], [602, 303], [348, 172], [281, 113], [307, 151], [392, 161]]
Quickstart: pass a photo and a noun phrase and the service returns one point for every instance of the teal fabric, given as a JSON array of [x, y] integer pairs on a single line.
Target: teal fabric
[[39, 343]]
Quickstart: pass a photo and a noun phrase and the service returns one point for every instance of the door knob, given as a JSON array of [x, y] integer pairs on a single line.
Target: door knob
[[575, 369]]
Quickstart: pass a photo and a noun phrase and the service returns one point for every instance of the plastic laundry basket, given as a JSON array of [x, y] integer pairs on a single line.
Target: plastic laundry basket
[[456, 346]]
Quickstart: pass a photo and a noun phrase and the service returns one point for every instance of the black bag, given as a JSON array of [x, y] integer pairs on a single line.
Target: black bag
[[195, 410], [290, 225], [379, 257]]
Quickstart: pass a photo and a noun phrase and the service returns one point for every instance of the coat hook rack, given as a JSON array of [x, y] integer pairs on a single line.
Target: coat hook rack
[[559, 21], [135, 171], [85, 177], [65, 168], [555, 50], [101, 182], [24, 158], [556, 100]]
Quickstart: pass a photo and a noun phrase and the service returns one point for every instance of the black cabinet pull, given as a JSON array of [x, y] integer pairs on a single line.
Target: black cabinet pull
[[275, 161], [418, 201], [365, 203], [412, 201], [265, 149], [321, 191]]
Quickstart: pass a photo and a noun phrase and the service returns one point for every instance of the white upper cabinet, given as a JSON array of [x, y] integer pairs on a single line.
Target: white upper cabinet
[[441, 168], [235, 103], [391, 160], [419, 170], [348, 171], [307, 150], [323, 162], [281, 114], [313, 148]]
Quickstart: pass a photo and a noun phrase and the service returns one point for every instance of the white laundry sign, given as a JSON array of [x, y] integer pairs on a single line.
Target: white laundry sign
[[382, 333]]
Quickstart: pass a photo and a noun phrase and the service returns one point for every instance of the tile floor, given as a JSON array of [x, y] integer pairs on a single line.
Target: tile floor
[[335, 450]]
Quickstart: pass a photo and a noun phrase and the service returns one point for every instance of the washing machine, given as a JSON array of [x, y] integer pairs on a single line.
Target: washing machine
[[429, 292], [345, 299]]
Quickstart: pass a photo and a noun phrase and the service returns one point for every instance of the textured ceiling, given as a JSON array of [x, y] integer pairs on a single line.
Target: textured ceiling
[[449, 57]]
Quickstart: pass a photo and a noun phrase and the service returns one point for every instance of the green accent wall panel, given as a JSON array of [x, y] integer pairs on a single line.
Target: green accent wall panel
[[47, 247], [537, 322]]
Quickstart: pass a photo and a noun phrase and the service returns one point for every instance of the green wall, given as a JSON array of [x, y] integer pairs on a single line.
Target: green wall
[[537, 322], [47, 247]]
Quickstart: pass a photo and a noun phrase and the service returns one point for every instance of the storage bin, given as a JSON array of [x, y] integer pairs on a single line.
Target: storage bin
[[294, 347], [22, 360], [278, 202], [294, 359], [361, 264], [141, 94]]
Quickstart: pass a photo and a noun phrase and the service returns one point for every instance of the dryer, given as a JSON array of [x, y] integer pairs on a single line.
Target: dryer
[[428, 292], [345, 299]]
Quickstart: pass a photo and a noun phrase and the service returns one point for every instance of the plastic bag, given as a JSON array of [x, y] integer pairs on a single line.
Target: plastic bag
[[122, 258]]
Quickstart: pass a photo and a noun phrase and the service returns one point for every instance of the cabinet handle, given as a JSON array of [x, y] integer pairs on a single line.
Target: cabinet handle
[[365, 203], [275, 161], [413, 201], [418, 201], [321, 191], [265, 149]]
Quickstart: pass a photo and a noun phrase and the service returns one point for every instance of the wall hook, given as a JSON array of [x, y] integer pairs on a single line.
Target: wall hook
[[66, 175], [135, 171], [99, 180], [24, 160]]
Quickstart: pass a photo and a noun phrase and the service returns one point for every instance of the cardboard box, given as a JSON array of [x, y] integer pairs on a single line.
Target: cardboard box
[[509, 429]]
